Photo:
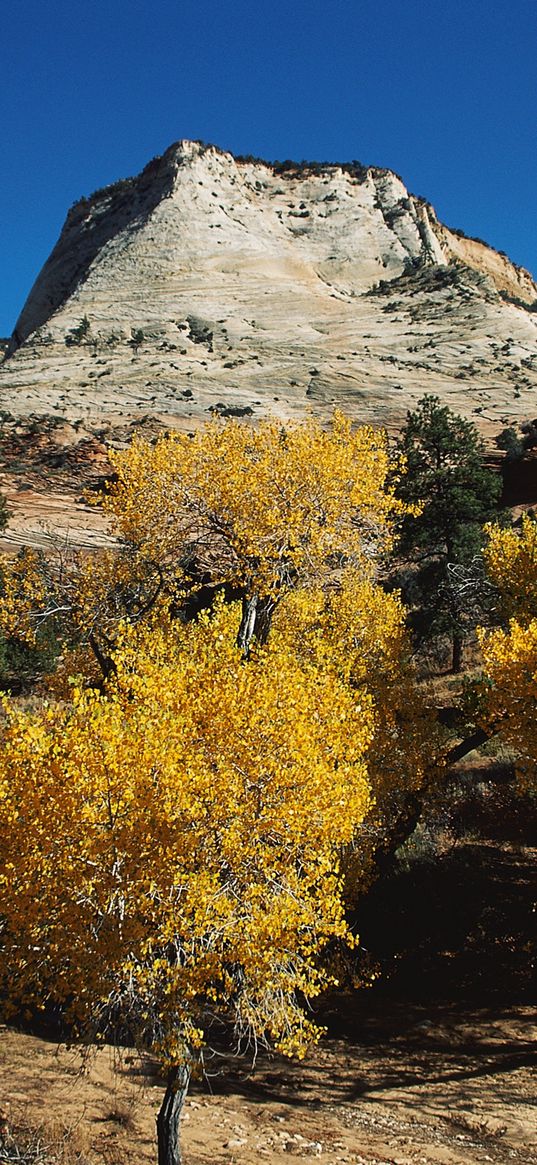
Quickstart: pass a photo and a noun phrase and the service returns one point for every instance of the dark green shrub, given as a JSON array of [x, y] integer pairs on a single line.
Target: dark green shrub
[[78, 334]]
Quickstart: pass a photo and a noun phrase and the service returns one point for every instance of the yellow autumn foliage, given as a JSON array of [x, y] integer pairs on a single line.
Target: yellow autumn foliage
[[79, 594], [511, 561], [359, 631], [510, 654], [25, 594], [510, 659], [176, 843], [263, 511], [173, 846], [262, 507]]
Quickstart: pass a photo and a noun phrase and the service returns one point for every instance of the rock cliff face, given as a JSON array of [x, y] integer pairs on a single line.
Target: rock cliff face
[[213, 283]]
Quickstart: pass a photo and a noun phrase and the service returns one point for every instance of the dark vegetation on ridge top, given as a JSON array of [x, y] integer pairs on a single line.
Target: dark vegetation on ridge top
[[288, 168]]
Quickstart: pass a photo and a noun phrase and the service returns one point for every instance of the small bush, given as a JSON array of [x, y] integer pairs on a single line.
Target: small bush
[[509, 440], [78, 334]]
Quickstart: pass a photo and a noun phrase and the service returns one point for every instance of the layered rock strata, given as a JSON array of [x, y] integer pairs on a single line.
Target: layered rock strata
[[213, 284]]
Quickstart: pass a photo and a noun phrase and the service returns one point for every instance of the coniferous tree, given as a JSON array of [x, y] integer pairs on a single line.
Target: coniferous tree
[[4, 512], [456, 494]]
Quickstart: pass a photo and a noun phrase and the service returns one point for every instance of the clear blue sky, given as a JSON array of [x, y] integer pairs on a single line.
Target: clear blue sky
[[442, 91]]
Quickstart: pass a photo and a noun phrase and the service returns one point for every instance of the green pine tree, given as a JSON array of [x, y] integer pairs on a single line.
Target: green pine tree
[[446, 476], [4, 512]]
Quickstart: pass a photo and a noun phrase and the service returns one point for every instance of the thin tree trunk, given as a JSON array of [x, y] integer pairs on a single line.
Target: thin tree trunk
[[168, 1119], [477, 738], [247, 626], [456, 658], [384, 857], [106, 663]]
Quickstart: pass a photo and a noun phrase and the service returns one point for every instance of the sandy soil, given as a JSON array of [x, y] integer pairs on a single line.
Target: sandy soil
[[436, 1085], [433, 1065]]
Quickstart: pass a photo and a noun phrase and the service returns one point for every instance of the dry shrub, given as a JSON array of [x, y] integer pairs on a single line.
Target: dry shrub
[[122, 1114], [23, 1142]]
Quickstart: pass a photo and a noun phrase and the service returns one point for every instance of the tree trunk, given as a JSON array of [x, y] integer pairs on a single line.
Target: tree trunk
[[384, 857], [247, 627], [106, 662], [168, 1119], [477, 738], [456, 659], [263, 618], [255, 622]]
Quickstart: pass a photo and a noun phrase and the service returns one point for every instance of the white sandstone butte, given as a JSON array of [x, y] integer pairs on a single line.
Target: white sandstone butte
[[234, 286]]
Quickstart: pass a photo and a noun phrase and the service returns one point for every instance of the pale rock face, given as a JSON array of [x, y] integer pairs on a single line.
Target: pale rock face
[[210, 283]]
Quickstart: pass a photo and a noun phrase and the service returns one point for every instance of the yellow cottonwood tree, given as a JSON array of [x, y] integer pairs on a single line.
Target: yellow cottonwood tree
[[269, 506], [510, 659], [173, 845], [259, 511], [172, 848], [511, 560], [264, 510], [510, 653]]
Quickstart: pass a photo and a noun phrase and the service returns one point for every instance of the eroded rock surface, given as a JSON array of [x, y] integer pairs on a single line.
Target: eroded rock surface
[[233, 286]]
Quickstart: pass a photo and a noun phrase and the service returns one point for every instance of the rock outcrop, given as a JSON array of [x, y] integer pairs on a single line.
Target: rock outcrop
[[217, 284]]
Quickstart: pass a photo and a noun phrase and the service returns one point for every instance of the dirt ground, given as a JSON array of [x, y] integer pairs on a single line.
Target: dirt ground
[[428, 1085], [433, 1065]]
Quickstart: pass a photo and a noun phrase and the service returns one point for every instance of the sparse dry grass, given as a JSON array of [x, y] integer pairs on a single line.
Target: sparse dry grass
[[46, 1142]]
